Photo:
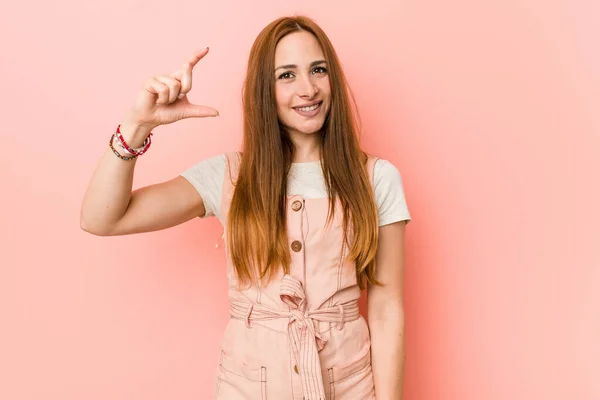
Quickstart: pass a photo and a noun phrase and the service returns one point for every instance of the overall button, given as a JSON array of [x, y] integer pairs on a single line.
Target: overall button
[[296, 246], [296, 205]]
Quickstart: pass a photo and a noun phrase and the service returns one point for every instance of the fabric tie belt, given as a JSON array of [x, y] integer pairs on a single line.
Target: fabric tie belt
[[306, 341]]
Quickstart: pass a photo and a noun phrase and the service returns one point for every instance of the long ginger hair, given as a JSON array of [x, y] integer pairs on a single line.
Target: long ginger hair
[[257, 237]]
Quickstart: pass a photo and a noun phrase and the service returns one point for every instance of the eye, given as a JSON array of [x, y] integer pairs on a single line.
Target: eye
[[285, 75], [320, 70]]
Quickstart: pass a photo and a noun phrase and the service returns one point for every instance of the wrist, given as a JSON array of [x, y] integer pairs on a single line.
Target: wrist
[[134, 134], [114, 145]]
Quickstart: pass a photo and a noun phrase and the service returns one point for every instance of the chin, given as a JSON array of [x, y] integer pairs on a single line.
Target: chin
[[311, 131], [309, 128]]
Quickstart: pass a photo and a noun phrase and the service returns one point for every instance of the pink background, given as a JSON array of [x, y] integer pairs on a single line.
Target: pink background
[[488, 108]]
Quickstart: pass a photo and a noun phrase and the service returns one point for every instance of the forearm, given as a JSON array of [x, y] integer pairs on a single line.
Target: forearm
[[388, 353], [109, 191]]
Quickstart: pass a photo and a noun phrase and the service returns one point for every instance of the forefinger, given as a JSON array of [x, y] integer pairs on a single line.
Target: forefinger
[[186, 72], [197, 56]]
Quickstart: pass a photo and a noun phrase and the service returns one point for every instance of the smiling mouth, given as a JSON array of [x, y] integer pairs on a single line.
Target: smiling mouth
[[309, 108]]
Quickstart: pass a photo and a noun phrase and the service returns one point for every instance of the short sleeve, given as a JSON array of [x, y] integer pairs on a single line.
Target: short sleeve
[[207, 177], [389, 193]]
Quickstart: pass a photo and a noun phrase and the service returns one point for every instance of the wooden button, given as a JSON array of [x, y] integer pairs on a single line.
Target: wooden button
[[296, 205], [296, 246], [296, 369]]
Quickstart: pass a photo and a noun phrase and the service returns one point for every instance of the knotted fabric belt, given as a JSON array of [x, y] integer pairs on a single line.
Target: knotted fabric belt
[[305, 340]]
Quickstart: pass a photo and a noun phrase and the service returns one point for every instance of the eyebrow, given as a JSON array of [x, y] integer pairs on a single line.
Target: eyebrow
[[292, 66]]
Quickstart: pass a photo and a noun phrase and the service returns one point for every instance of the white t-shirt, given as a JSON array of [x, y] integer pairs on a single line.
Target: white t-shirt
[[307, 180]]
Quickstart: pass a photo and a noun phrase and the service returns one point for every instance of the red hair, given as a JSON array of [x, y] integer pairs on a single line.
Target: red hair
[[257, 234]]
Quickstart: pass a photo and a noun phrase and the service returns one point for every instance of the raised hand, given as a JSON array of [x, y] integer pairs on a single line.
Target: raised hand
[[163, 99]]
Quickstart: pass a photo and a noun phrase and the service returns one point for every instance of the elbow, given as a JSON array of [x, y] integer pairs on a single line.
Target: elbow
[[89, 229], [94, 229]]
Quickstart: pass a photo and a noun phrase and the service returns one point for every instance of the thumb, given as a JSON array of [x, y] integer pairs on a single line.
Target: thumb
[[195, 111]]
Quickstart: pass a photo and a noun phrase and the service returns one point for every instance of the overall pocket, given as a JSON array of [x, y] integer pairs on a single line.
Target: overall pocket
[[353, 381], [239, 381]]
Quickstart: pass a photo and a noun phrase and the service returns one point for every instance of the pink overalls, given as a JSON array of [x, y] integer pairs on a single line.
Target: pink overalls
[[300, 337]]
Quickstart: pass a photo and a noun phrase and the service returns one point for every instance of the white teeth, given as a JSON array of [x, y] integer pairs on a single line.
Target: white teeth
[[311, 108]]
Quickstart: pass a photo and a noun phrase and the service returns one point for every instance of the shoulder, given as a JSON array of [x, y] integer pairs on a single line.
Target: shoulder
[[389, 192], [385, 170]]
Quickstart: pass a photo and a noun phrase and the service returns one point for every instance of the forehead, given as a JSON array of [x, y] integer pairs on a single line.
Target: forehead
[[298, 48]]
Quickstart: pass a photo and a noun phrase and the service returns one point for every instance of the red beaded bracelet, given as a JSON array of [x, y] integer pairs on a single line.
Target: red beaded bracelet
[[136, 152], [123, 147]]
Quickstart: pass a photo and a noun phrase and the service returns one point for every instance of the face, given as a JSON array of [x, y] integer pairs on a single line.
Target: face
[[301, 84]]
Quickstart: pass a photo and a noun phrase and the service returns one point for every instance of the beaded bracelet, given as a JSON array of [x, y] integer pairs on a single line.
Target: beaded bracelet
[[116, 152], [125, 146], [135, 151]]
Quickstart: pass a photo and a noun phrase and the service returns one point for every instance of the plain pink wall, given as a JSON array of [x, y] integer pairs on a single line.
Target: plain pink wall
[[488, 109]]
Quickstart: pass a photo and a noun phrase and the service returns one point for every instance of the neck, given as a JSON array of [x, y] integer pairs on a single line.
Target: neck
[[307, 147]]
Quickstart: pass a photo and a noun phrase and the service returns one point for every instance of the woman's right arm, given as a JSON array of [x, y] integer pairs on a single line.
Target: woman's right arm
[[109, 206]]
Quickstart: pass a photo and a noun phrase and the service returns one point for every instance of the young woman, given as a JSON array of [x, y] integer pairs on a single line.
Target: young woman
[[309, 220]]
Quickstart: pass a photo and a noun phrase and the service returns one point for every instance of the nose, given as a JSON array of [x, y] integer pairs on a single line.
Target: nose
[[307, 88]]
